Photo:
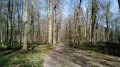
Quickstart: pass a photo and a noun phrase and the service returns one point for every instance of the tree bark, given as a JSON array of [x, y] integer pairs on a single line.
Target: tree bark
[[93, 29], [50, 35], [55, 25], [26, 25], [9, 25]]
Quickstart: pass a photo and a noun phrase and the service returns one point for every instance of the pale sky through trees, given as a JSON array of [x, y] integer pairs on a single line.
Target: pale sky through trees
[[114, 8], [68, 7]]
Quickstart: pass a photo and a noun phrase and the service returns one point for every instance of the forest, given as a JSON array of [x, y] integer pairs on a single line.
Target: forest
[[59, 33]]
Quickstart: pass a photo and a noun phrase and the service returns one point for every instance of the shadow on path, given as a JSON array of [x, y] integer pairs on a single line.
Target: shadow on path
[[64, 56]]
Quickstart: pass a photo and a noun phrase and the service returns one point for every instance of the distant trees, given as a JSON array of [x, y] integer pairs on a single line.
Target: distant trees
[[27, 22], [53, 25], [77, 23], [2, 23], [88, 24], [23, 23]]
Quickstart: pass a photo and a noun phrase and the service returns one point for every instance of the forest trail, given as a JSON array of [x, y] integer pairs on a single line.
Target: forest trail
[[63, 56]]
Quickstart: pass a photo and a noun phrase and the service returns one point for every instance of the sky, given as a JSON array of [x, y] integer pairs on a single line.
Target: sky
[[68, 7], [114, 8]]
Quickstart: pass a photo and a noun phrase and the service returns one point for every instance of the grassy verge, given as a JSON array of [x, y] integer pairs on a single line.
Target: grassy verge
[[102, 47], [32, 58]]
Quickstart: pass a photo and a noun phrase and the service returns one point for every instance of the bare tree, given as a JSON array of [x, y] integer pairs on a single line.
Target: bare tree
[[50, 35], [94, 14], [55, 24], [26, 24]]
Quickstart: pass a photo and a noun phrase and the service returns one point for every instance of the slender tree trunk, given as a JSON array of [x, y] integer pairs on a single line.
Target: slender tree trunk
[[11, 28], [38, 33], [9, 25], [93, 29], [108, 22], [50, 35], [108, 31], [18, 27], [1, 39], [32, 21], [90, 26], [86, 26], [116, 30], [26, 25], [55, 25]]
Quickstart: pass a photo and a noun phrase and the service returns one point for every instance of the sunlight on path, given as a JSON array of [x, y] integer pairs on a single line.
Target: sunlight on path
[[63, 56]]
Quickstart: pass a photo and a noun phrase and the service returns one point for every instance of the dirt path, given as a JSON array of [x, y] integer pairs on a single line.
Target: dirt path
[[63, 56]]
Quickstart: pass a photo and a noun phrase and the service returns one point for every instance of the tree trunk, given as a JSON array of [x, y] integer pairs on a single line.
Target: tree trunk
[[9, 23], [26, 25], [1, 39], [55, 25], [50, 35], [93, 29], [32, 21], [38, 33]]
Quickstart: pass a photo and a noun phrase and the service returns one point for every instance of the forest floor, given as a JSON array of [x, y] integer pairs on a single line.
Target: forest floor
[[63, 56], [57, 56], [33, 58]]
